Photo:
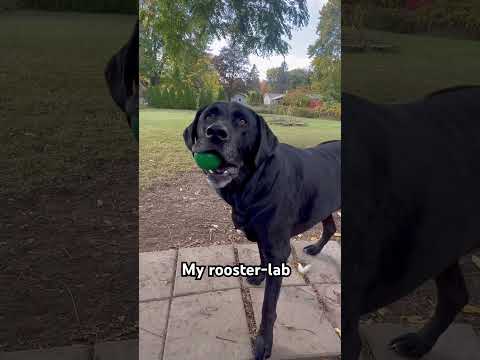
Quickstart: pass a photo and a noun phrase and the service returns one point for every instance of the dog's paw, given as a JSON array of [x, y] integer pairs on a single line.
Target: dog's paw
[[263, 348], [256, 279], [410, 345], [312, 249]]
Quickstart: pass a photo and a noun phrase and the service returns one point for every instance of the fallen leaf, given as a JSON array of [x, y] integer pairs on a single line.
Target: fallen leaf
[[472, 310], [337, 234], [382, 311], [476, 260], [414, 319], [339, 332], [314, 238], [303, 269]]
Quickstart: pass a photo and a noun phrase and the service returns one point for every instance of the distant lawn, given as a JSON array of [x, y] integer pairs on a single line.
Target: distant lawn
[[64, 119], [163, 154], [421, 64]]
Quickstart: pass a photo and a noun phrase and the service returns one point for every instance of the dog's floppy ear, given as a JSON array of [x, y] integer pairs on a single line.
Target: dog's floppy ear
[[131, 63], [115, 82], [121, 72], [267, 141], [190, 132]]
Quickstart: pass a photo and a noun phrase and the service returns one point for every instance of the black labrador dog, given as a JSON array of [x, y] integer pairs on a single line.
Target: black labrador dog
[[121, 74], [410, 210], [275, 190]]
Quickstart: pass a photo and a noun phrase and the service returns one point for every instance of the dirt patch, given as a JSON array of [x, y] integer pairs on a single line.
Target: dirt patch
[[68, 268], [186, 212]]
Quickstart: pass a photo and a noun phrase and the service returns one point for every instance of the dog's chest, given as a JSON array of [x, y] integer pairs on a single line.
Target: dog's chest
[[240, 221]]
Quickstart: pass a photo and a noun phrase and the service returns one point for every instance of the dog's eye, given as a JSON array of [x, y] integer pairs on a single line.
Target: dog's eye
[[242, 122]]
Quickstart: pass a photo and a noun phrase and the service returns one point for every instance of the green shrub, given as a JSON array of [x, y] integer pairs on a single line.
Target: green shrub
[[187, 98], [221, 95], [329, 109], [206, 97], [254, 98], [297, 98]]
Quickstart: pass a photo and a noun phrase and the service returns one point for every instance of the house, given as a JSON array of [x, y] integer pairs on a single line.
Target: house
[[272, 98], [240, 98]]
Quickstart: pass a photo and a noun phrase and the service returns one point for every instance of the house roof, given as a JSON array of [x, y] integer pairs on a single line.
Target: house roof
[[274, 95]]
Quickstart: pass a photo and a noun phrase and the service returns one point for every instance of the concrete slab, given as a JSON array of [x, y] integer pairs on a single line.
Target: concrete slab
[[301, 331], [156, 272], [75, 352], [248, 254], [459, 342], [118, 350], [326, 266], [211, 255], [331, 296], [208, 326], [152, 329]]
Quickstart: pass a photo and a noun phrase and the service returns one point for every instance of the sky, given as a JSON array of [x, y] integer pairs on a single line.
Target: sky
[[301, 39]]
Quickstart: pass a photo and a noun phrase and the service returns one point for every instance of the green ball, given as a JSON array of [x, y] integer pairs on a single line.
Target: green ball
[[207, 161]]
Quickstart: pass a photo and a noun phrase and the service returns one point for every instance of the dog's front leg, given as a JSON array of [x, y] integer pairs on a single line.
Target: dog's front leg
[[264, 340], [275, 249], [258, 279], [351, 342]]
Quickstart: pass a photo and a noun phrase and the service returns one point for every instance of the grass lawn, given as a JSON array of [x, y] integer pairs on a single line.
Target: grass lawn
[[420, 65], [57, 116], [163, 153]]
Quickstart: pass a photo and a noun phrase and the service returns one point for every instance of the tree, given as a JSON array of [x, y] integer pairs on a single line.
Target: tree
[[326, 77], [277, 78], [283, 77], [151, 61], [172, 35], [272, 78], [298, 78], [231, 64], [264, 87], [328, 31], [186, 27], [326, 52], [253, 80]]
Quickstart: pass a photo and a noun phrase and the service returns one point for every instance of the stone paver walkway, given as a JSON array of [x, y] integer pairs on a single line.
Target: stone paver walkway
[[184, 318]]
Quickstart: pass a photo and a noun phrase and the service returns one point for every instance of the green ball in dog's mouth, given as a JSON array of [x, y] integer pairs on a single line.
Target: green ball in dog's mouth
[[207, 160]]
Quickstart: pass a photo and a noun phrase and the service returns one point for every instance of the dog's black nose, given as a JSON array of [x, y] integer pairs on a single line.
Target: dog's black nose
[[217, 132]]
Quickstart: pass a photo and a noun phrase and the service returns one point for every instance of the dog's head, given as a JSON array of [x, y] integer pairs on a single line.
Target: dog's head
[[121, 74], [237, 134]]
